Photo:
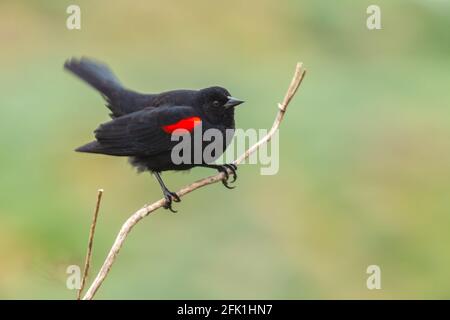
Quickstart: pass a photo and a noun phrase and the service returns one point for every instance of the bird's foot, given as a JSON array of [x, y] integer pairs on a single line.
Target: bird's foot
[[224, 168], [170, 196]]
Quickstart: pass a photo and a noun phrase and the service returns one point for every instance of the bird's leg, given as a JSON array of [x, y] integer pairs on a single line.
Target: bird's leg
[[168, 195], [224, 168]]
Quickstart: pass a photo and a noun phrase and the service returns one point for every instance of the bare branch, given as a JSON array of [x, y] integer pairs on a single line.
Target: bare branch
[[87, 260], [148, 209]]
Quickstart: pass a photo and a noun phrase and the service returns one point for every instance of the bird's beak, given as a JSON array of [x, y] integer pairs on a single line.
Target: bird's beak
[[232, 102]]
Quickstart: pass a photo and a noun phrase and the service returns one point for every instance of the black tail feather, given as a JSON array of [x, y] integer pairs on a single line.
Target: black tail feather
[[119, 100], [98, 75]]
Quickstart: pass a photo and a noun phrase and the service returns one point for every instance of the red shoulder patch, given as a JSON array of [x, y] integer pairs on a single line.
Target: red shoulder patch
[[187, 124]]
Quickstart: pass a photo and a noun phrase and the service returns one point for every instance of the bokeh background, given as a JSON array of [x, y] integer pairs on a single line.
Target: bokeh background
[[364, 158]]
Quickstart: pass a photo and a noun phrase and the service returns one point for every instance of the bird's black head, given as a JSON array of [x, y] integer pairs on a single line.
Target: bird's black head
[[218, 104]]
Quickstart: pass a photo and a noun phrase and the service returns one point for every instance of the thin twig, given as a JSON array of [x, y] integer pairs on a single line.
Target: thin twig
[[148, 209], [87, 261]]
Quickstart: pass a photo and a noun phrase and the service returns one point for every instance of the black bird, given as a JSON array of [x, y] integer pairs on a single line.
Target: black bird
[[142, 124]]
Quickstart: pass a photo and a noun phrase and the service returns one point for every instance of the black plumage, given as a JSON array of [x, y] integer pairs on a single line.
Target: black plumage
[[142, 124]]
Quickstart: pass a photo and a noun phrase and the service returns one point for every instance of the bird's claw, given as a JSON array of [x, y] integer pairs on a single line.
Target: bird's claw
[[170, 196], [232, 167], [224, 168]]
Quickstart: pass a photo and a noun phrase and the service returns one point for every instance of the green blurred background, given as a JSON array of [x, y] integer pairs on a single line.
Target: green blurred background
[[365, 153]]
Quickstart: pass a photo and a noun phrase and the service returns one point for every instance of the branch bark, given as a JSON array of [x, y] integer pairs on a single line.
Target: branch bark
[[87, 261], [148, 209]]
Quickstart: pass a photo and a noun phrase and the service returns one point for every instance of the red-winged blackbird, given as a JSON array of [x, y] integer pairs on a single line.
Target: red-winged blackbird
[[142, 124]]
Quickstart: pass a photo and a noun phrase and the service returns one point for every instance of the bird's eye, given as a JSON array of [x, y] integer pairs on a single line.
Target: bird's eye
[[216, 103]]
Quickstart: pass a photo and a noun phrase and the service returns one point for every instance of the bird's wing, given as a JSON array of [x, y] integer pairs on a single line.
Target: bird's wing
[[145, 133]]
